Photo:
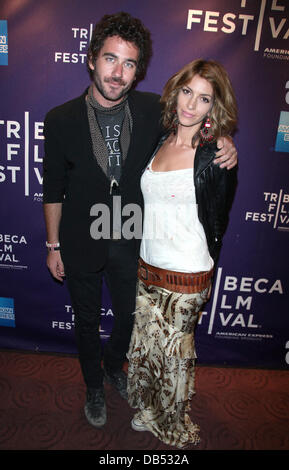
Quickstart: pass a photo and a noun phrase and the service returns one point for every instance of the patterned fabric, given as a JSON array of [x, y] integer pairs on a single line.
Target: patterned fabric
[[161, 357]]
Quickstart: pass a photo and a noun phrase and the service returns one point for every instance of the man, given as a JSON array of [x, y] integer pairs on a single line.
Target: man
[[96, 147]]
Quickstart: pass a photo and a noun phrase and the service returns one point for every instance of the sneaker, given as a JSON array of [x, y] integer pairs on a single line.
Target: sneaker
[[119, 381], [95, 408], [138, 425]]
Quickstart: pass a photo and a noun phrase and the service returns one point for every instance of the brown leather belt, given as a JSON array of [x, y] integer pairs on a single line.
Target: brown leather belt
[[186, 283]]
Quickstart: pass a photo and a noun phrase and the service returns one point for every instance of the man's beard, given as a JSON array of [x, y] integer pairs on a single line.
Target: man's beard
[[103, 92]]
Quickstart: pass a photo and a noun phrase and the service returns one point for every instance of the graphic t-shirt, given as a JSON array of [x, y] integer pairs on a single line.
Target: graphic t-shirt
[[111, 125]]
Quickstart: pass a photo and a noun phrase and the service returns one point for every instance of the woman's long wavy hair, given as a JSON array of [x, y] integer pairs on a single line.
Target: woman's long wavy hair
[[223, 114]]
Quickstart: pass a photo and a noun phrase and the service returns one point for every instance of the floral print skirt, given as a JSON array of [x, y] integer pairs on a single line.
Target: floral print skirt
[[161, 372]]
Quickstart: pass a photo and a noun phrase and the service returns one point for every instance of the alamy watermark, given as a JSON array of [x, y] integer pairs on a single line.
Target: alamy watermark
[[163, 221]]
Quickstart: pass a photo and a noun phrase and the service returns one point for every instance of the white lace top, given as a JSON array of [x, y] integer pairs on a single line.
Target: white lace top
[[173, 237]]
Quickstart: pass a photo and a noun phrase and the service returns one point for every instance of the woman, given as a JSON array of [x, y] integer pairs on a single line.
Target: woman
[[187, 199]]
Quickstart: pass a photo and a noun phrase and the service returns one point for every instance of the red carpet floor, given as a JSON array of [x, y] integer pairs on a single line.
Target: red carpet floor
[[42, 396]]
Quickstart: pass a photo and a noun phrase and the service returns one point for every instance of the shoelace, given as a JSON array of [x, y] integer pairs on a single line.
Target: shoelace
[[96, 398]]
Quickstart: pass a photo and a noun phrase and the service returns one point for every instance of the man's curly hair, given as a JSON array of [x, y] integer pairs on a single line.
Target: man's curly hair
[[127, 28]]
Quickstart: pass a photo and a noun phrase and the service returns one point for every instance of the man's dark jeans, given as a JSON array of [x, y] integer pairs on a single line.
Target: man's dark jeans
[[120, 273]]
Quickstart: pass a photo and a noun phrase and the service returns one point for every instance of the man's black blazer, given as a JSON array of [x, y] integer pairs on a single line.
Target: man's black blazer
[[72, 176]]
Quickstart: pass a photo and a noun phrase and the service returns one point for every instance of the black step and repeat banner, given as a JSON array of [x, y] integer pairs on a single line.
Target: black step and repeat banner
[[42, 64]]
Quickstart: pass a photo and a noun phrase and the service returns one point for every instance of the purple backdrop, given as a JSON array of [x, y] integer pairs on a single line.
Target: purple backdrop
[[246, 322]]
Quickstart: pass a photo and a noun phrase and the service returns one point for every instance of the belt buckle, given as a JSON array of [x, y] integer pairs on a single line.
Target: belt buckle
[[144, 278]]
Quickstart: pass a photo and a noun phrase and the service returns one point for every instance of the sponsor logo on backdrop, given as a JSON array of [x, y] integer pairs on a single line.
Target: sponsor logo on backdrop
[[68, 321], [80, 38], [3, 42], [282, 140], [232, 312], [7, 313], [272, 17], [281, 54], [11, 251], [21, 160], [275, 211]]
